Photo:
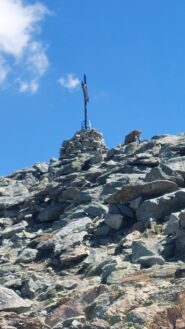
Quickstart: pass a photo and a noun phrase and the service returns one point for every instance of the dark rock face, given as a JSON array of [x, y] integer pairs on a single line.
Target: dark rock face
[[96, 238]]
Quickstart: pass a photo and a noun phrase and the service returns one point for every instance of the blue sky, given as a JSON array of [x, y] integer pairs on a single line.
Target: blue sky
[[132, 51]]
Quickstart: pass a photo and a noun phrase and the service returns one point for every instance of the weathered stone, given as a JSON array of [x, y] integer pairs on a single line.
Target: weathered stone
[[161, 207], [114, 220], [42, 167], [96, 209], [140, 249], [146, 190], [134, 204], [29, 288], [11, 320], [27, 255], [163, 172], [177, 164], [126, 241], [88, 195], [172, 224], [75, 254], [68, 194], [182, 219], [78, 272], [84, 141], [10, 301], [148, 261], [9, 231], [149, 162], [120, 209], [51, 212]]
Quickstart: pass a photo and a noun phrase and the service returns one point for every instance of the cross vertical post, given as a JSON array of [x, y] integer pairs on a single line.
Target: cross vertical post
[[86, 100]]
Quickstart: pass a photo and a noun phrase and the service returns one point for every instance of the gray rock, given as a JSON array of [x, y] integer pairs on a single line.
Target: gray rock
[[102, 230], [75, 229], [68, 194], [172, 224], [74, 226], [76, 254], [51, 212], [10, 301], [74, 166], [161, 207], [148, 261], [140, 249], [9, 231], [134, 204], [163, 172], [148, 162], [126, 241], [115, 181], [29, 288], [114, 221], [8, 202], [116, 277], [88, 195], [182, 219], [27, 255], [42, 167], [121, 209], [96, 209], [94, 263], [84, 141], [67, 284], [146, 190], [97, 158], [177, 164]]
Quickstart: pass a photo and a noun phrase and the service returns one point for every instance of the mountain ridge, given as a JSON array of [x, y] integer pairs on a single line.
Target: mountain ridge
[[96, 238]]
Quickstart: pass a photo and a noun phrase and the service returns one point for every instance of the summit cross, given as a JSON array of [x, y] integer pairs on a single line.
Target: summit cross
[[85, 124]]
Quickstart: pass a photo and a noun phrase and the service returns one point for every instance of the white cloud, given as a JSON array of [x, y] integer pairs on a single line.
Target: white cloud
[[37, 59], [28, 86], [69, 82], [19, 44], [3, 71]]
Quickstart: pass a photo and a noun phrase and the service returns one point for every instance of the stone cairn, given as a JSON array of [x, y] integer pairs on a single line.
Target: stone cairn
[[84, 141]]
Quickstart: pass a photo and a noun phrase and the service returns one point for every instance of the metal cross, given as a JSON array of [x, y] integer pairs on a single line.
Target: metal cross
[[85, 124]]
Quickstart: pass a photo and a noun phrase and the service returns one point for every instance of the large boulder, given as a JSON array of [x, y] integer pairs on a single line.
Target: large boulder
[[10, 301], [161, 207], [145, 190], [164, 172], [177, 164]]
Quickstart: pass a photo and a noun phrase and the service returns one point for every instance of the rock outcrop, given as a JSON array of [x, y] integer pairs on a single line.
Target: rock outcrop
[[96, 238]]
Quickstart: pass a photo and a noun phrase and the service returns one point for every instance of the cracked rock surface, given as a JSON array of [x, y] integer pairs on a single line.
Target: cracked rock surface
[[96, 238]]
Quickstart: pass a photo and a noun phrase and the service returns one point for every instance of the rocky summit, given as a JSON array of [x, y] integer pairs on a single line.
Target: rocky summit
[[96, 238]]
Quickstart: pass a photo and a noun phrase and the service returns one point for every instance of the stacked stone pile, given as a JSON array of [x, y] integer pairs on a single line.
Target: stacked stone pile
[[84, 141], [95, 239]]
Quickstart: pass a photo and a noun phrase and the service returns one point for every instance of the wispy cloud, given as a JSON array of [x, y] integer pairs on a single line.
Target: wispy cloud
[[4, 70], [31, 87], [70, 81], [20, 48]]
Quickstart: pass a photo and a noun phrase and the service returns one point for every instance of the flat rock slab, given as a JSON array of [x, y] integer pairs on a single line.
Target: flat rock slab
[[149, 190], [177, 164], [161, 207], [75, 254], [10, 301], [149, 261]]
